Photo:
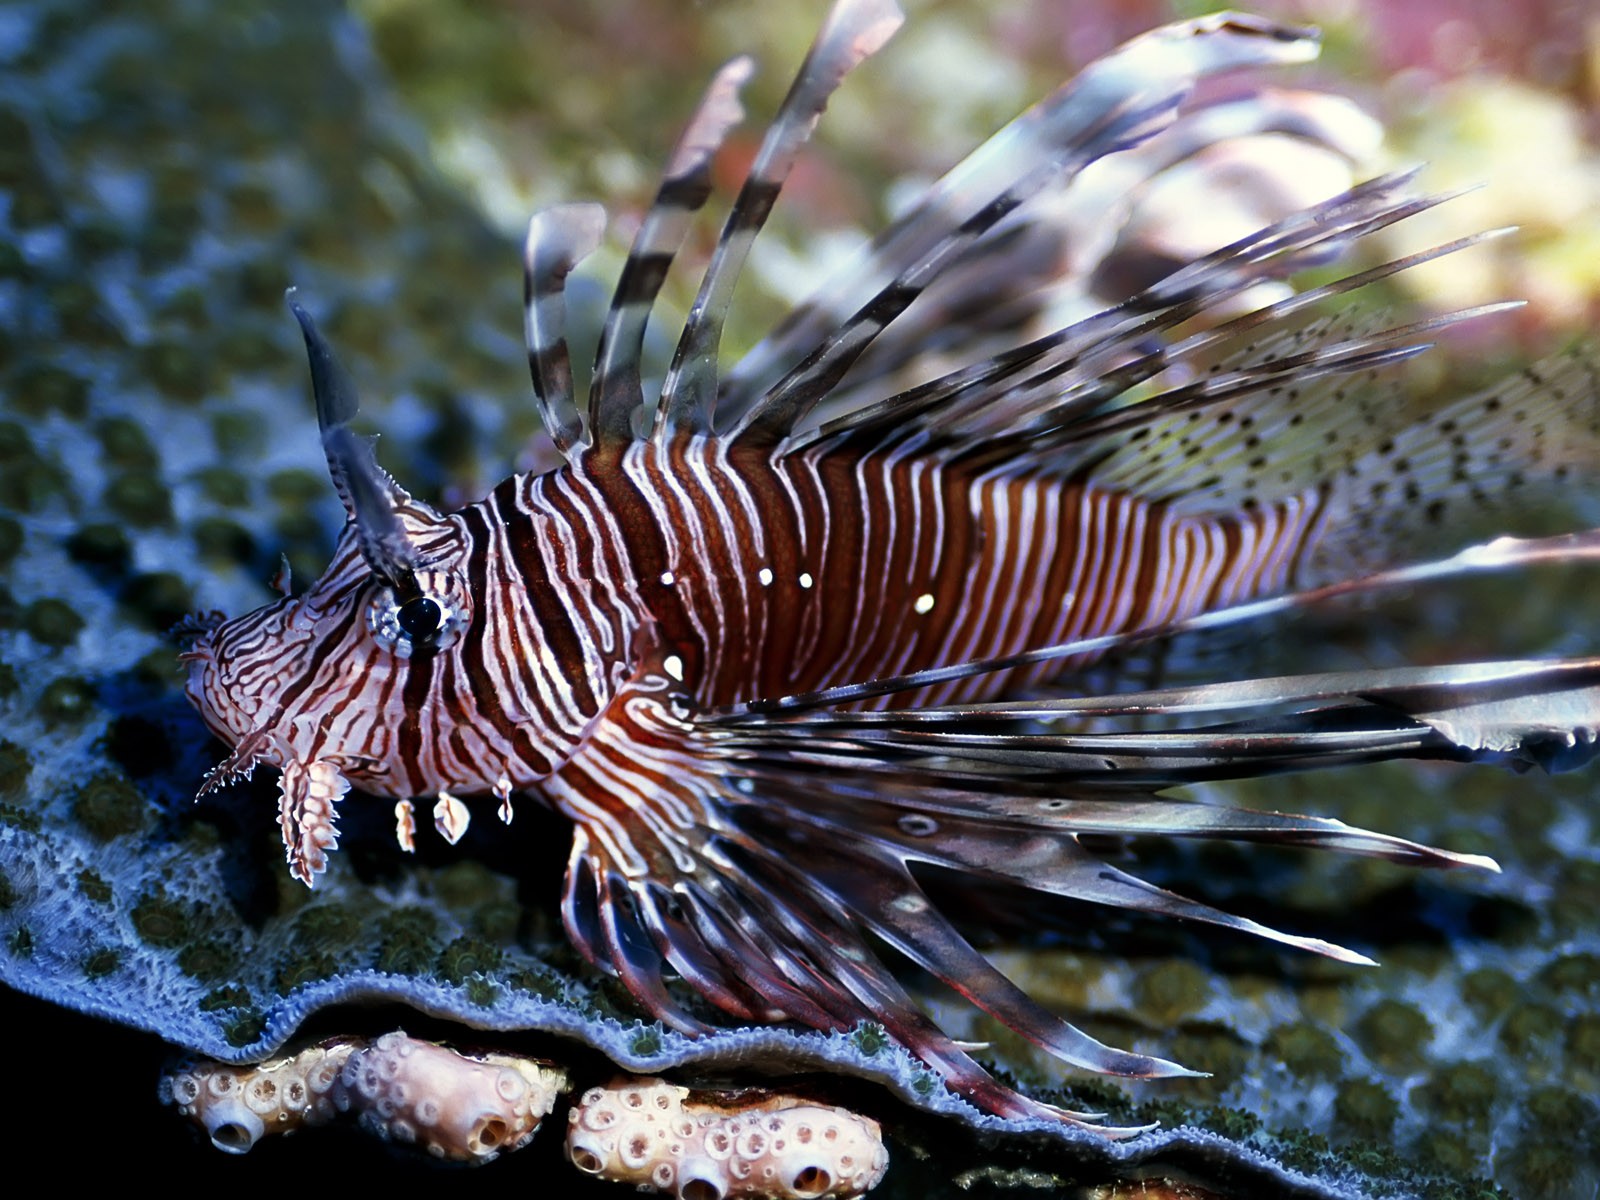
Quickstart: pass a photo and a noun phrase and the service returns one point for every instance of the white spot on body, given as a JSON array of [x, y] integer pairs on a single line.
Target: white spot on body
[[805, 579], [674, 667], [924, 603], [765, 576], [667, 578]]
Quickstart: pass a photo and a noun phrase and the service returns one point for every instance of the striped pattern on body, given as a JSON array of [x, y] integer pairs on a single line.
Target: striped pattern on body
[[768, 575]]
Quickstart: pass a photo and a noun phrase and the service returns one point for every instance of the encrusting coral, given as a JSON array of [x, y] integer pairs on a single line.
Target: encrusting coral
[[466, 1108], [238, 1106], [723, 1146]]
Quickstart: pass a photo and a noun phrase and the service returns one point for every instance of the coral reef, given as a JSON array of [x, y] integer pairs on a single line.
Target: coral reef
[[723, 1146], [460, 1107], [237, 1106]]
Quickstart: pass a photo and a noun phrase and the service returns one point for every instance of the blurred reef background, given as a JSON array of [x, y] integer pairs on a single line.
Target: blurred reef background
[[168, 169]]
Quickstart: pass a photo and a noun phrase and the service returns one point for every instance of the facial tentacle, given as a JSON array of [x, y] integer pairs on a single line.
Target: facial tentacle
[[369, 495]]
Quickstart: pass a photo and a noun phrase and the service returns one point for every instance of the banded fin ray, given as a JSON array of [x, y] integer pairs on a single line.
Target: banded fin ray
[[897, 829], [1065, 250], [853, 31], [1075, 371], [558, 239], [616, 392], [1078, 123], [1119, 102]]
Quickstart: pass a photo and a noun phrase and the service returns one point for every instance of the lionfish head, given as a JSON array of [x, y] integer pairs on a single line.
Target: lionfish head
[[330, 675]]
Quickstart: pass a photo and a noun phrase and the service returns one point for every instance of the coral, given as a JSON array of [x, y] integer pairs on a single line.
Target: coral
[[238, 1106], [723, 1146], [465, 1108]]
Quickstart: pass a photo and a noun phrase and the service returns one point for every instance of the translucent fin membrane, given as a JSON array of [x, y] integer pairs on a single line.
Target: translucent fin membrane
[[558, 239], [854, 30], [616, 393], [1118, 101]]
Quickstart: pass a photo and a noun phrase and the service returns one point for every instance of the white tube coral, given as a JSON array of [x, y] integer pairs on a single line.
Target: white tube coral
[[238, 1106], [723, 1146], [467, 1108], [454, 1106]]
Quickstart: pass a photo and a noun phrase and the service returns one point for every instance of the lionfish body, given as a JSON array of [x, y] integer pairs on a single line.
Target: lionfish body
[[778, 642]]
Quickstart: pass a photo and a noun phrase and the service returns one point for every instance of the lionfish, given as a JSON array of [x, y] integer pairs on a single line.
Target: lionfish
[[781, 640]]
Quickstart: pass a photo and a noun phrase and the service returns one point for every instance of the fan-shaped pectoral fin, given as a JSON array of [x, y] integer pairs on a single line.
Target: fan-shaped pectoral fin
[[309, 794], [644, 804], [674, 889]]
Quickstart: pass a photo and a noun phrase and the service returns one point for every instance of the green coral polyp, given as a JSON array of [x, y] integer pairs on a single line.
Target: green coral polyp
[[160, 598], [467, 956], [303, 968], [140, 498], [124, 443], [870, 1039], [229, 995], [1365, 1108], [245, 1028], [327, 926], [1461, 1094], [1583, 1048], [108, 806], [100, 962], [16, 764], [11, 539], [1171, 991], [1529, 1026], [1395, 1033], [207, 960], [1573, 974], [52, 622], [224, 486], [1308, 1050], [1489, 990], [94, 887], [39, 388], [100, 544], [160, 922], [180, 371], [67, 700], [296, 488], [218, 538]]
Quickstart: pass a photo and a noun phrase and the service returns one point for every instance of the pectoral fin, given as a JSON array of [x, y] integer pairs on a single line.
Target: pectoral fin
[[306, 814]]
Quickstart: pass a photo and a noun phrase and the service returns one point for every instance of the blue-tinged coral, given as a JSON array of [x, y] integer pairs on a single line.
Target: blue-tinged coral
[[157, 452]]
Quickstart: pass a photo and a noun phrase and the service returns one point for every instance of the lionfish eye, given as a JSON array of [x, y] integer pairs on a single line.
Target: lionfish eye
[[424, 622], [420, 618]]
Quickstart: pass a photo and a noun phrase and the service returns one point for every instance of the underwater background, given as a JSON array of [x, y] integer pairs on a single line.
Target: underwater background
[[168, 169]]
